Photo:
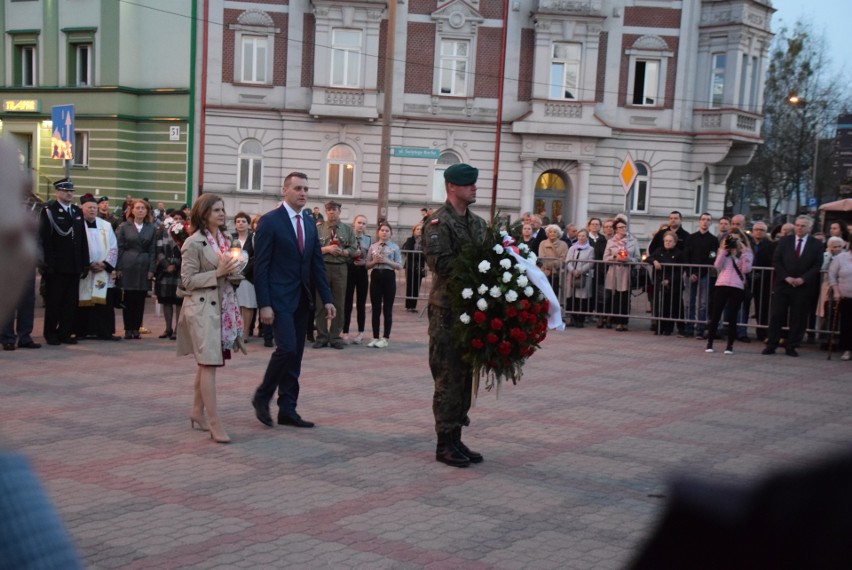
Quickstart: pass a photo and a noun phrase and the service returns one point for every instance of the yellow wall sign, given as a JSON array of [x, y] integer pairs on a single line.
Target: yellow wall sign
[[21, 105], [627, 173]]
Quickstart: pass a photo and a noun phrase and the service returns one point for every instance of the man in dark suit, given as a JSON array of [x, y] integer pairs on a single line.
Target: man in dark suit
[[62, 235], [287, 259], [797, 261]]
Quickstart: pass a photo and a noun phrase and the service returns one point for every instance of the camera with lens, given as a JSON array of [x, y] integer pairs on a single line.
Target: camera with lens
[[731, 242]]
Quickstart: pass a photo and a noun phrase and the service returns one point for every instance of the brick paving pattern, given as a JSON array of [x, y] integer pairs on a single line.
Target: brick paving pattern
[[575, 455]]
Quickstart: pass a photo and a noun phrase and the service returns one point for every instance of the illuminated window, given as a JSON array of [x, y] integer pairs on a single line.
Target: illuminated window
[[565, 71], [250, 166], [340, 171], [439, 191], [640, 189], [454, 66], [346, 58]]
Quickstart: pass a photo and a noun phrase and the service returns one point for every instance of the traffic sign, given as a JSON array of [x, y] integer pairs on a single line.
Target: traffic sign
[[62, 138], [627, 173], [415, 152], [812, 202]]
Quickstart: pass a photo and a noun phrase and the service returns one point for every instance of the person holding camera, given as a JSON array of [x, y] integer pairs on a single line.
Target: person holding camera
[[733, 263]]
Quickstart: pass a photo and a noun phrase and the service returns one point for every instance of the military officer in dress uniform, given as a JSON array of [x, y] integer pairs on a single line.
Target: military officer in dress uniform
[[444, 234], [65, 248]]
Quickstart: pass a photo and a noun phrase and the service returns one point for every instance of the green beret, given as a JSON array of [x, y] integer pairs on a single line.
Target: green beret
[[461, 174]]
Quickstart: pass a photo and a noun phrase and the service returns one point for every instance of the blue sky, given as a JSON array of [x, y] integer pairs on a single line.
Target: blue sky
[[831, 18]]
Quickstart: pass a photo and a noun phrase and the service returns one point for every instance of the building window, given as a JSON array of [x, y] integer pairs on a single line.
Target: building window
[[439, 191], [646, 82], [250, 166], [81, 148], [453, 67], [565, 71], [346, 58], [698, 204], [755, 83], [717, 80], [82, 65], [340, 171], [254, 59], [639, 190], [26, 65]]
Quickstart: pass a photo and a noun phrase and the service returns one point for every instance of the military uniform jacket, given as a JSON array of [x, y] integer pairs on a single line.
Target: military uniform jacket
[[444, 234], [345, 236], [63, 240]]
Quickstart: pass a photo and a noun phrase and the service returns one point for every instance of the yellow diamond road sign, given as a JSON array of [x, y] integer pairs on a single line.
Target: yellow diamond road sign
[[627, 173]]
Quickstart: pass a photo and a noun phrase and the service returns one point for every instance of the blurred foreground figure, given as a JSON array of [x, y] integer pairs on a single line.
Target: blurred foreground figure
[[794, 519], [31, 535]]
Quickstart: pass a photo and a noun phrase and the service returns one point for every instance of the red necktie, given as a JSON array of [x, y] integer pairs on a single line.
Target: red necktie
[[299, 233], [798, 247]]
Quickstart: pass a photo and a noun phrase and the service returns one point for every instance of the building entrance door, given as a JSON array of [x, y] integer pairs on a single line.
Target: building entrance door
[[551, 194]]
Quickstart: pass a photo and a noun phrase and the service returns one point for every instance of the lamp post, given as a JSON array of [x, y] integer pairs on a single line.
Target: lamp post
[[802, 104]]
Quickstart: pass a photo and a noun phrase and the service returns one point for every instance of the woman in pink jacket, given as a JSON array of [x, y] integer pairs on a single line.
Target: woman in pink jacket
[[733, 262]]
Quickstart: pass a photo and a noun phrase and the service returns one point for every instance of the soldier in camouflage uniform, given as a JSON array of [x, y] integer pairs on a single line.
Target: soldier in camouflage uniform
[[444, 234]]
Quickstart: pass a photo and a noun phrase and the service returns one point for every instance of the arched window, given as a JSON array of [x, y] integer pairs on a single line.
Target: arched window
[[340, 171], [641, 189], [250, 176], [447, 159]]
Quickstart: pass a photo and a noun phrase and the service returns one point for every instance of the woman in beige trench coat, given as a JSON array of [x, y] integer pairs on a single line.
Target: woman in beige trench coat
[[210, 324]]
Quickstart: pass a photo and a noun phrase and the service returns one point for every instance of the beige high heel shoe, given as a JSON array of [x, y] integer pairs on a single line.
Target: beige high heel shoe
[[217, 432], [199, 421]]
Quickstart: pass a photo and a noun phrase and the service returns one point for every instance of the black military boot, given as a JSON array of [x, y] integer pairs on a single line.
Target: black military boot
[[448, 453], [471, 455]]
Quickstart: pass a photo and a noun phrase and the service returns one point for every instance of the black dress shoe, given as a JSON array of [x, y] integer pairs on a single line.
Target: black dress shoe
[[52, 341], [30, 344], [69, 340], [261, 412], [744, 339], [338, 344], [768, 350], [268, 344], [294, 419], [111, 337], [8, 346], [791, 351], [320, 344], [128, 335], [166, 334]]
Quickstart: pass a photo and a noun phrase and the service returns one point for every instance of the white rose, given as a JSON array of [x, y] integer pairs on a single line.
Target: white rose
[[520, 268], [511, 296], [504, 233], [482, 304], [528, 291], [532, 257], [495, 292], [484, 266], [507, 277], [467, 293], [483, 289], [465, 318], [498, 249], [523, 248], [523, 281], [506, 263]]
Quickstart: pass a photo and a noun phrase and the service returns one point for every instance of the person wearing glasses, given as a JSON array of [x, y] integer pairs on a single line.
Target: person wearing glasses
[[65, 260]]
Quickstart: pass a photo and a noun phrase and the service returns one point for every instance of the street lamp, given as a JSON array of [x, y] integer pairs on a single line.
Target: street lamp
[[797, 101]]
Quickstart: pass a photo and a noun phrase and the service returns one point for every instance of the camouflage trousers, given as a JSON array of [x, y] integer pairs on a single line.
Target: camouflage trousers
[[453, 377]]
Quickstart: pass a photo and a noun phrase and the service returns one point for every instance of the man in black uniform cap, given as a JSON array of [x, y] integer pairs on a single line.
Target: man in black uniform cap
[[65, 248]]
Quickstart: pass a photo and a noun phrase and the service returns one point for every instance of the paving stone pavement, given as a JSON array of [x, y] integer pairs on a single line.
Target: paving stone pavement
[[576, 455]]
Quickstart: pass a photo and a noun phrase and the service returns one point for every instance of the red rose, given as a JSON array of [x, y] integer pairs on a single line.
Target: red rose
[[496, 324], [524, 316], [522, 337], [511, 312], [476, 343], [492, 338], [504, 348], [546, 305], [479, 317], [524, 351]]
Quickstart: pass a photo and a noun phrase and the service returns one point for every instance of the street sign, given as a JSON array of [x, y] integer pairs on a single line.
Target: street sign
[[62, 138], [415, 152], [812, 202], [627, 173]]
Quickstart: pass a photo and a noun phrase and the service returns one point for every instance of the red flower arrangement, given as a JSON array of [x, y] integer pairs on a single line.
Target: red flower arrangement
[[503, 313], [179, 231]]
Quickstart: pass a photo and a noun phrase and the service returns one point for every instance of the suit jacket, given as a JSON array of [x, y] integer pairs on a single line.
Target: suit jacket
[[63, 241], [282, 274], [199, 329], [806, 266], [137, 255]]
